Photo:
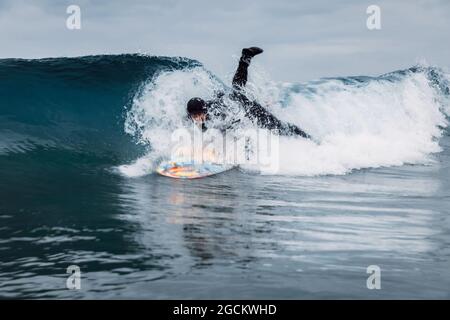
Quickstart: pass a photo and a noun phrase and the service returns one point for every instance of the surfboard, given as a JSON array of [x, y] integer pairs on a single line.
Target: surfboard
[[190, 169]]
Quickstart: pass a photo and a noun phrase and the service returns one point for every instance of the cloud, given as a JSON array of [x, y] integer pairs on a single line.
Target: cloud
[[301, 40]]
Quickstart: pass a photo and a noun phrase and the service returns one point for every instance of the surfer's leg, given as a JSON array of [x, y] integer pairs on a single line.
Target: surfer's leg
[[240, 77], [265, 119], [254, 110], [293, 130]]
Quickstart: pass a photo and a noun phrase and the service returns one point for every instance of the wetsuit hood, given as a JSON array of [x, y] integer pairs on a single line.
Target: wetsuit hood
[[196, 106]]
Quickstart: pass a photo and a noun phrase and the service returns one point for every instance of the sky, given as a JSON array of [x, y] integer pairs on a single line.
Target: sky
[[303, 40]]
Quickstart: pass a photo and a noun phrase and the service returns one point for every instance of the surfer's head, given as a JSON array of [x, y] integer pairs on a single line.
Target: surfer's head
[[196, 109]]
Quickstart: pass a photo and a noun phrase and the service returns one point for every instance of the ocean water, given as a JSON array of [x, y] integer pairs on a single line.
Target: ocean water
[[80, 138]]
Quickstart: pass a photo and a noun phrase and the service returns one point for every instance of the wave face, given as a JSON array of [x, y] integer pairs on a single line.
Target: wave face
[[73, 107], [120, 110]]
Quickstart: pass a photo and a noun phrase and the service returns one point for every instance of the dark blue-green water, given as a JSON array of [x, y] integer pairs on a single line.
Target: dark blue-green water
[[235, 235]]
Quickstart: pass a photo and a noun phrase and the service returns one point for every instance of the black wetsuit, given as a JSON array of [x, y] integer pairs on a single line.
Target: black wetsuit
[[253, 110]]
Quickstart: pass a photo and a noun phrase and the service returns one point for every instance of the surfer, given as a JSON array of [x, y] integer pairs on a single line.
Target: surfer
[[204, 113]]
